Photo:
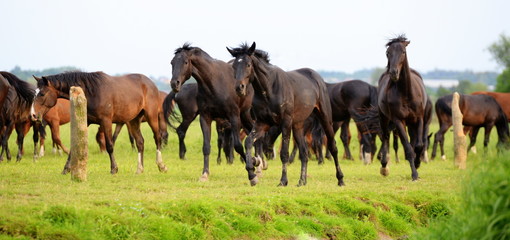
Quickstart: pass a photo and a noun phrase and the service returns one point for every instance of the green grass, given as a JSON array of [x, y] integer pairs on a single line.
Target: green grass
[[37, 202]]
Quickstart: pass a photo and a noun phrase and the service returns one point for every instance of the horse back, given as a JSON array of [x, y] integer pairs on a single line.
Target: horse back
[[503, 100]]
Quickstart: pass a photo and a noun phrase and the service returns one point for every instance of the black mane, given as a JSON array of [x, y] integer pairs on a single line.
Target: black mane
[[187, 47], [23, 89], [244, 48], [400, 38], [89, 82]]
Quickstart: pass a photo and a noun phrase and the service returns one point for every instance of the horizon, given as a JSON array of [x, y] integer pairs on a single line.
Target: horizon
[[132, 36]]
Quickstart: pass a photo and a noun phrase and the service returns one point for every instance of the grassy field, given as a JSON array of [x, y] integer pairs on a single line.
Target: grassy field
[[37, 202]]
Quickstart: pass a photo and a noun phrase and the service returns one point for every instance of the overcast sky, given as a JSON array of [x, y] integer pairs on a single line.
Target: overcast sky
[[339, 35]]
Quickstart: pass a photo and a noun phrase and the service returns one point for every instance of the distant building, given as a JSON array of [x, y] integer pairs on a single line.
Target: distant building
[[436, 83]]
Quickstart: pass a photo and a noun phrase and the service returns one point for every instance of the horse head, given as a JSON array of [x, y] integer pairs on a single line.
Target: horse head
[[45, 98], [396, 54], [243, 66], [182, 66]]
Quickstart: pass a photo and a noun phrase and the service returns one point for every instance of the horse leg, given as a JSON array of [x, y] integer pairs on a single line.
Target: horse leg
[[106, 126], [284, 152], [220, 141], [439, 139], [395, 146], [20, 139], [417, 141], [205, 124], [293, 152], [408, 149], [7, 135], [181, 133], [163, 129], [345, 136], [385, 139], [327, 124], [472, 137], [228, 147], [35, 138], [55, 136], [299, 140], [153, 121]]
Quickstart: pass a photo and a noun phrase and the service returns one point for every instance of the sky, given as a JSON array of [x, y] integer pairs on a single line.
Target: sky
[[127, 36]]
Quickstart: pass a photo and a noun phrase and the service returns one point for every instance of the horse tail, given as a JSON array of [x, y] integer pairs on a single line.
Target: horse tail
[[367, 118], [169, 112], [502, 127], [442, 106]]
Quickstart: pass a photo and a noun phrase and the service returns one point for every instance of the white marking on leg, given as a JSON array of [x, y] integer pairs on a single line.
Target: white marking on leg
[[159, 162], [426, 157], [473, 149], [443, 157], [140, 166], [367, 158]]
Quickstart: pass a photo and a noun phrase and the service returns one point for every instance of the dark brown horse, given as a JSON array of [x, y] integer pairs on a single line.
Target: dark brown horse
[[402, 100], [351, 99], [218, 99], [122, 99], [15, 114], [186, 100], [502, 98], [478, 111], [286, 100]]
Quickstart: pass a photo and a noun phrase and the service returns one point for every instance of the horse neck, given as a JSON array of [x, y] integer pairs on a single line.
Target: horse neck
[[262, 81], [203, 71], [405, 79]]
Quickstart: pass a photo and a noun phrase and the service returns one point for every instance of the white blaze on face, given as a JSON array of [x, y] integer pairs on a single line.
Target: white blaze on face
[[240, 60], [32, 109]]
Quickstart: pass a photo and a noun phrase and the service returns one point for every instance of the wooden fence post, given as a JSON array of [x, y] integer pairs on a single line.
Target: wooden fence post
[[459, 138], [79, 135]]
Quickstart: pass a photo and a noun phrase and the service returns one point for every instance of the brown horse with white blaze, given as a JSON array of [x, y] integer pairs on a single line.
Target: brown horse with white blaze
[[119, 99]]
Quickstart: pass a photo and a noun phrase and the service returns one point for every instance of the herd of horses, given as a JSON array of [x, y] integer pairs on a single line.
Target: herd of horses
[[253, 100]]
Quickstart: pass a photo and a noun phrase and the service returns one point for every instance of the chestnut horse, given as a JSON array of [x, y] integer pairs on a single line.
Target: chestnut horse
[[502, 98], [402, 100], [119, 99], [283, 99]]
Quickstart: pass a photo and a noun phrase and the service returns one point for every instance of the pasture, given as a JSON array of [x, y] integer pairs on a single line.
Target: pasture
[[36, 201]]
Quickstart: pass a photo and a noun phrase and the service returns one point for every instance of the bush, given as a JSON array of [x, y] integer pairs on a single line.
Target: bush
[[484, 211]]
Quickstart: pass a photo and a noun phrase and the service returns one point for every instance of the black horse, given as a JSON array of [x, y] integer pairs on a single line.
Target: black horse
[[353, 99], [15, 114], [284, 99], [186, 100], [402, 100], [218, 99], [478, 111]]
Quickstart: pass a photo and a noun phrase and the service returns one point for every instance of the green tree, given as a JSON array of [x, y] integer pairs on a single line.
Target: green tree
[[442, 91], [375, 75], [503, 81], [500, 51]]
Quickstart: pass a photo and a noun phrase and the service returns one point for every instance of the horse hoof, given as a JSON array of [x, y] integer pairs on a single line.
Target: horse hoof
[[443, 157], [139, 171], [114, 171], [162, 168], [264, 164], [301, 183], [282, 184], [254, 181], [341, 183], [385, 171], [204, 177], [65, 171]]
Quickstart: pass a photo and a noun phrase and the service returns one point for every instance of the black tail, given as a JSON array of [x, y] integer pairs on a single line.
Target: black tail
[[503, 130], [169, 110], [443, 106]]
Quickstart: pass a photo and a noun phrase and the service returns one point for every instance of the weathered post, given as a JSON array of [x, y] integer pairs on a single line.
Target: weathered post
[[79, 135], [459, 138]]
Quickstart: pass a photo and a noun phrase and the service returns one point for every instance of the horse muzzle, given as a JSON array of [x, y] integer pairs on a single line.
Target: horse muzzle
[[241, 89], [176, 85]]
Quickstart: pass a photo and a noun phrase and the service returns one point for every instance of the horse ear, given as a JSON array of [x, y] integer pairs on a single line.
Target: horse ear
[[252, 49], [406, 43], [230, 51], [36, 78]]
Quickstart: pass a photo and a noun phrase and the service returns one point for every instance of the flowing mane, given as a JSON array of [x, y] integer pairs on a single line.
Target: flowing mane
[[24, 90], [399, 38], [243, 49], [90, 82], [188, 47]]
